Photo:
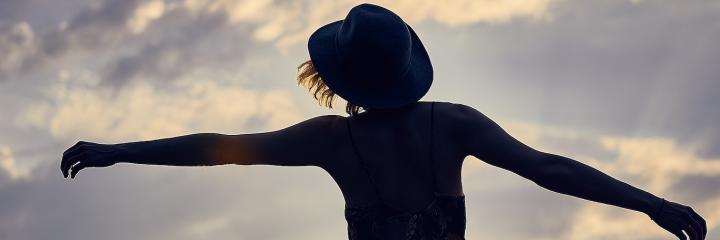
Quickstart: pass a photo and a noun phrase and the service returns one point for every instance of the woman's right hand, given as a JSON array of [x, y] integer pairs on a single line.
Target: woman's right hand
[[87, 154], [677, 218]]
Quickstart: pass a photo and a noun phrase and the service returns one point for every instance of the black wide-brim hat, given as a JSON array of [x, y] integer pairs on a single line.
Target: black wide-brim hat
[[372, 58]]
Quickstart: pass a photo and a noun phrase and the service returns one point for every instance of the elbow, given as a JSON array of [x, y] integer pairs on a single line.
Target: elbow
[[553, 171]]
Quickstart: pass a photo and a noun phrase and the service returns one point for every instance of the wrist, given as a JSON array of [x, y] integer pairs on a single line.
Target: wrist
[[655, 207], [121, 153]]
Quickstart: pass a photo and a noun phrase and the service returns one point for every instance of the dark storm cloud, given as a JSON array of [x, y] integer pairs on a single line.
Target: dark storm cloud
[[647, 68]]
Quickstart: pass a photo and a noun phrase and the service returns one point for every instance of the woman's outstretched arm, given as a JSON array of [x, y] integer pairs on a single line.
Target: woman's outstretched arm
[[303, 144], [484, 139]]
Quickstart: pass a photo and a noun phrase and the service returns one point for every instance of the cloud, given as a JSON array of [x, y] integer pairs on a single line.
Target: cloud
[[8, 166], [665, 168], [614, 67], [142, 111], [144, 15], [594, 221], [464, 12], [149, 32], [185, 43], [290, 23], [92, 34], [502, 205], [286, 24], [657, 165], [97, 27], [658, 160], [573, 142], [15, 10], [16, 41], [96, 32], [697, 188]]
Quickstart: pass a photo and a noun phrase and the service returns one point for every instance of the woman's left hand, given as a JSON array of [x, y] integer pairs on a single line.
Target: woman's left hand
[[87, 154], [676, 218]]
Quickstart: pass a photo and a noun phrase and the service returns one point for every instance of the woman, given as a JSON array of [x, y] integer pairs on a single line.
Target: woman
[[396, 160]]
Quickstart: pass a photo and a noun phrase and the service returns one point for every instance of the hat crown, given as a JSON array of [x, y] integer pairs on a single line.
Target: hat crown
[[373, 40], [372, 58]]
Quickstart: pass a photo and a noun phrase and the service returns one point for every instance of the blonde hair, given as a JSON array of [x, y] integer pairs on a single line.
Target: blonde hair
[[309, 78]]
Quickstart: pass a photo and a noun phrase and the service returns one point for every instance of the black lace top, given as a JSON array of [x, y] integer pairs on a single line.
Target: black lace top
[[443, 218]]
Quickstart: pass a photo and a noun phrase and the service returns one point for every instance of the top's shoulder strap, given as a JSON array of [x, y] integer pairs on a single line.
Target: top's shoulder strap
[[361, 162], [431, 153], [432, 156]]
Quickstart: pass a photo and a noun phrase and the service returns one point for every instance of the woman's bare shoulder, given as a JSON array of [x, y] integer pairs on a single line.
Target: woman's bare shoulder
[[318, 127], [461, 120], [456, 111], [326, 124]]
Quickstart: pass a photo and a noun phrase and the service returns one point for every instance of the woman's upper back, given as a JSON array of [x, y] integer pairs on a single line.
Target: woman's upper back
[[394, 148]]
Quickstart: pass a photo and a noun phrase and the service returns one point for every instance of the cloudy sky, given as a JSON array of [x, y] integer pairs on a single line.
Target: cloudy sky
[[629, 87]]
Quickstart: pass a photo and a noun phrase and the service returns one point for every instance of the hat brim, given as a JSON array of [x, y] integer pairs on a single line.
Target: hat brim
[[397, 92]]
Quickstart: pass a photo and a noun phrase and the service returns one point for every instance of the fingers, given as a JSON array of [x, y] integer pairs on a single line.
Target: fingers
[[681, 220], [69, 162], [692, 232], [679, 234], [676, 225], [700, 221], [67, 157], [62, 167], [76, 168], [694, 229], [64, 163]]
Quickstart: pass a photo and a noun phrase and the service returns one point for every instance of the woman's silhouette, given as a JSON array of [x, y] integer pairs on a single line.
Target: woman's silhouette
[[396, 160]]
